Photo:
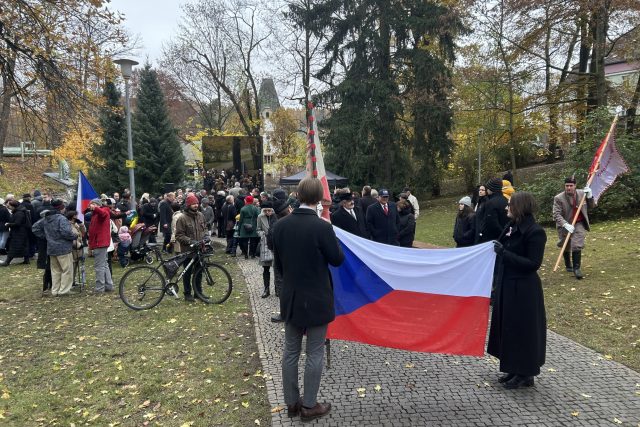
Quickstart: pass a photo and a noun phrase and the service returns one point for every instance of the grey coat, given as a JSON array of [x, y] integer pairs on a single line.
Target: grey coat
[[58, 232], [563, 208]]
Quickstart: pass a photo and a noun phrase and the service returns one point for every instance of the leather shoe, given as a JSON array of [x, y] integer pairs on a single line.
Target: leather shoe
[[320, 410], [294, 410], [505, 378], [519, 381], [277, 318]]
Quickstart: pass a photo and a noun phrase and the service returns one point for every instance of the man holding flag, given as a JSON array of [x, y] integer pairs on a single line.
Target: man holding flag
[[565, 206]]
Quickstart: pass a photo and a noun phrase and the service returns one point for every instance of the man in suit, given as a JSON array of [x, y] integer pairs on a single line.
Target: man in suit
[[349, 217], [382, 220], [304, 246]]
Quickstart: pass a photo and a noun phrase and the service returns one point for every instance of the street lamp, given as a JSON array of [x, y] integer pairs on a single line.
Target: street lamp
[[480, 132], [126, 66]]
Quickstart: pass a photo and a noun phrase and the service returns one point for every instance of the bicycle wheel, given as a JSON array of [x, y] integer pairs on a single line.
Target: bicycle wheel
[[142, 288], [215, 283]]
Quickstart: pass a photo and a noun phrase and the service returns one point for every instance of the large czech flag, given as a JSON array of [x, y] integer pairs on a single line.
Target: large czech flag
[[86, 193], [427, 300]]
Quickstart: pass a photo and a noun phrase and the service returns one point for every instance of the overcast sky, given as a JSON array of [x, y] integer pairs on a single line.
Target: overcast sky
[[155, 21]]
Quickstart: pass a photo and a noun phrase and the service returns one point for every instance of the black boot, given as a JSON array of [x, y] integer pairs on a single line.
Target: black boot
[[567, 262], [6, 262], [577, 257], [266, 277]]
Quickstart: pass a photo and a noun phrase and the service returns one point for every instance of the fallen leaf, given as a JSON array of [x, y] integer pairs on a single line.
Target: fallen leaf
[[245, 404], [617, 421], [256, 422], [575, 414], [377, 387], [585, 395], [277, 409], [173, 320]]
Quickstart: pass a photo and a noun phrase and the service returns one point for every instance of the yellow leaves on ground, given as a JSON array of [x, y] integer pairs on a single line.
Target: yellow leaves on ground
[[277, 409]]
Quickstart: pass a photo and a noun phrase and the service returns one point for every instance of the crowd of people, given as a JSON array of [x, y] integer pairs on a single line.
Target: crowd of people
[[276, 228]]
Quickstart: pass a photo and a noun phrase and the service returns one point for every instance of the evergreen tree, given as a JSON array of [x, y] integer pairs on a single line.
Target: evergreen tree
[[157, 151], [394, 118], [107, 172]]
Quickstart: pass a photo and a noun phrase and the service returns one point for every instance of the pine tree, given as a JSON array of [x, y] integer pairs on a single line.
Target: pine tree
[[394, 117], [157, 151], [107, 172]]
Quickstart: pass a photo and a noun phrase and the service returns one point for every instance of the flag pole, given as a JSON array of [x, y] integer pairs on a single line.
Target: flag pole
[[589, 179]]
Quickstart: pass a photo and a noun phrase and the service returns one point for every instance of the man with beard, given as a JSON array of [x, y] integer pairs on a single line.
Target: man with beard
[[190, 228], [565, 206]]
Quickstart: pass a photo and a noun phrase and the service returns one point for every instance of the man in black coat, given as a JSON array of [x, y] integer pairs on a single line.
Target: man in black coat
[[366, 200], [304, 246], [382, 220], [349, 217], [166, 216], [494, 212]]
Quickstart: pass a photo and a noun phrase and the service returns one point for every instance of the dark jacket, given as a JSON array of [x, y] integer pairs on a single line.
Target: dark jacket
[[20, 226], [365, 202], [383, 228], [166, 213], [494, 218], [249, 215], [190, 226], [464, 231], [150, 214], [406, 227], [228, 213], [518, 332], [304, 246], [5, 217], [343, 219], [56, 229]]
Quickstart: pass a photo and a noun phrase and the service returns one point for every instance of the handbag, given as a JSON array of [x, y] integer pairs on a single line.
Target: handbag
[[248, 227], [266, 255]]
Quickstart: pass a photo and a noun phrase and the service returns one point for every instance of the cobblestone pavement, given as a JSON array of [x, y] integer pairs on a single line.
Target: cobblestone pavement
[[577, 386]]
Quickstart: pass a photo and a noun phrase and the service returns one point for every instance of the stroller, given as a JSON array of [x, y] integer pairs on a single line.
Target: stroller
[[139, 249]]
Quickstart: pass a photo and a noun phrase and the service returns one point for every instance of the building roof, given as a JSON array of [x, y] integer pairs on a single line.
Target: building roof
[[268, 96]]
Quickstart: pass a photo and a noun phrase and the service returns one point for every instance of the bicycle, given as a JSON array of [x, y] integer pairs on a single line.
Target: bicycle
[[143, 287]]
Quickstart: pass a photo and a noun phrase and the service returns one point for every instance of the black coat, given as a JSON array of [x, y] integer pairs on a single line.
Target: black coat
[[150, 214], [20, 226], [166, 215], [5, 217], [343, 219], [406, 228], [493, 218], [464, 231], [518, 334], [383, 228], [365, 202], [304, 246]]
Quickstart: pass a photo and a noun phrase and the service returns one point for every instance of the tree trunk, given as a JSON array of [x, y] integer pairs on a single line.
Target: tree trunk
[[5, 105], [633, 108]]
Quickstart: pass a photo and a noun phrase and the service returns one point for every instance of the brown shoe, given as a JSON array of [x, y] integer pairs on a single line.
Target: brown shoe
[[320, 410], [294, 410]]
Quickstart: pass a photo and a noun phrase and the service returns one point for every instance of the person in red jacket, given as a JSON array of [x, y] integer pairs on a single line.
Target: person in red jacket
[[99, 242]]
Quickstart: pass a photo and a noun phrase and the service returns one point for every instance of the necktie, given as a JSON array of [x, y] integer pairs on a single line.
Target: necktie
[[353, 214], [385, 209]]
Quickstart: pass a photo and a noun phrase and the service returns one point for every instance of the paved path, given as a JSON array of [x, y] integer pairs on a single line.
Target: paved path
[[577, 386]]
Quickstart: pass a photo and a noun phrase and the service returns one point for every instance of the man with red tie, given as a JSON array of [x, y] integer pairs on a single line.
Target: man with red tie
[[382, 220]]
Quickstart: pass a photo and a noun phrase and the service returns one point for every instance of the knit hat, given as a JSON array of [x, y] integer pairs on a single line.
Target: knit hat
[[466, 200], [191, 200], [97, 201], [494, 184], [57, 204], [279, 193], [248, 200]]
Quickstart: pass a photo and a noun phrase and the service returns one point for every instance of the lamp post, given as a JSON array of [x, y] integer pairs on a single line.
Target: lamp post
[[126, 66], [480, 131]]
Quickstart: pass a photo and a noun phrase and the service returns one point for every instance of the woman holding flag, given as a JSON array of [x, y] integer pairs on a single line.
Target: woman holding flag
[[518, 334]]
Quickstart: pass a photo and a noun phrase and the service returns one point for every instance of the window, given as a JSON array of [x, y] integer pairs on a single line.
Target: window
[[268, 159]]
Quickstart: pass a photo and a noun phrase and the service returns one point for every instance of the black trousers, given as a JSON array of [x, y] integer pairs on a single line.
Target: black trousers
[[186, 279]]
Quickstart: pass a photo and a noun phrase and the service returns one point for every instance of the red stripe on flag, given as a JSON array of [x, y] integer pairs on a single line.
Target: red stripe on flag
[[418, 322]]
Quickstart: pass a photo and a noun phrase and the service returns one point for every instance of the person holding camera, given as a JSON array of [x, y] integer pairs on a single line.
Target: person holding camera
[[99, 243]]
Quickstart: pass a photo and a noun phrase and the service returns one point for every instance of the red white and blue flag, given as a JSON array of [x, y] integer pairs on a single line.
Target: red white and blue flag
[[86, 193], [427, 300], [606, 166]]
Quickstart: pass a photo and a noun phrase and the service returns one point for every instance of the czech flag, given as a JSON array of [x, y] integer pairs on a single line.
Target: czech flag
[[427, 300], [86, 193]]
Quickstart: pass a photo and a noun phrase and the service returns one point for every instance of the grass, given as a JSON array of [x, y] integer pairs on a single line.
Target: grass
[[20, 177], [89, 360], [601, 311]]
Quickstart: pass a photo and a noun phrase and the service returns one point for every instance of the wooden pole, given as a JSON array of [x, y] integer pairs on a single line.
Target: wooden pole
[[589, 179]]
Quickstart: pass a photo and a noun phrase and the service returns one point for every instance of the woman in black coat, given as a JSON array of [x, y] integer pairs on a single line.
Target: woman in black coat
[[464, 228], [20, 226], [406, 225], [518, 335]]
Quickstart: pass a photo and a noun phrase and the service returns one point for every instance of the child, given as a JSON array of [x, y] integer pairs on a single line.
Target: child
[[123, 247]]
